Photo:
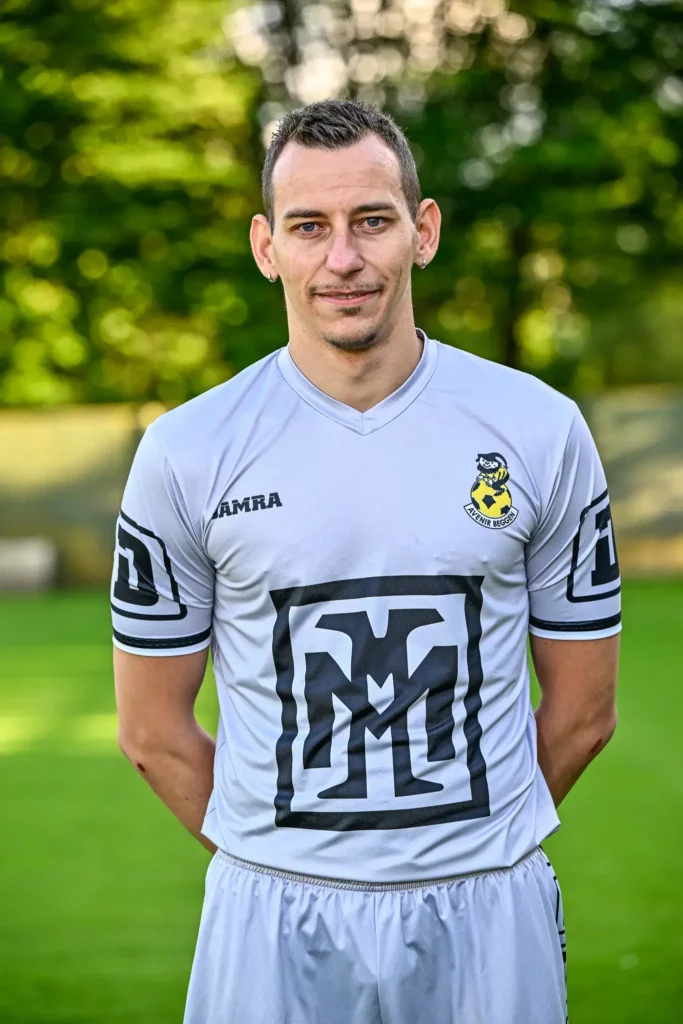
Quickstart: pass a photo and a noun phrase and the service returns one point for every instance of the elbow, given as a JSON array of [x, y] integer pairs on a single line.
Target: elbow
[[127, 741], [135, 748], [147, 743], [600, 733]]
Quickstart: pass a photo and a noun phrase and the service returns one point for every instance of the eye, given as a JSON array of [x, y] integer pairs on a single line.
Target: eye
[[307, 224], [375, 222]]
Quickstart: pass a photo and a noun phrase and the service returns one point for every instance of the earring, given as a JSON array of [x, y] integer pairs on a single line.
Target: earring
[[423, 264], [272, 280]]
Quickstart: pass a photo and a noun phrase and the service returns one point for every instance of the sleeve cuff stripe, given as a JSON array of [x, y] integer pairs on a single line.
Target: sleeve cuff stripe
[[575, 627], [165, 643]]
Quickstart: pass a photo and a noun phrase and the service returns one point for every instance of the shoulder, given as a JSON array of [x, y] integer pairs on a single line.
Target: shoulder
[[505, 395], [212, 418]]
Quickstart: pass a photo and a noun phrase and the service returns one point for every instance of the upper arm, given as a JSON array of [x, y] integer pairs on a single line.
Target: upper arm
[[155, 695], [575, 589], [571, 559], [580, 676], [161, 598]]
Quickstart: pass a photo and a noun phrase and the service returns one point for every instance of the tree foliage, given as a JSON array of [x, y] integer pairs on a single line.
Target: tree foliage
[[131, 139], [128, 171], [565, 219], [550, 133]]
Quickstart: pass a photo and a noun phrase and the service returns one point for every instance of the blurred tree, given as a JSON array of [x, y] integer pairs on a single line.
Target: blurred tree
[[550, 133], [564, 219], [128, 167]]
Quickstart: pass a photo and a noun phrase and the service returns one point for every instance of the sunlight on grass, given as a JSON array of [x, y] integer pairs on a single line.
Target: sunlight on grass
[[102, 930], [95, 733], [21, 732]]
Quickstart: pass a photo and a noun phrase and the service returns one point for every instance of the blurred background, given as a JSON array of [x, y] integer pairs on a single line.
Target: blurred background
[[131, 139]]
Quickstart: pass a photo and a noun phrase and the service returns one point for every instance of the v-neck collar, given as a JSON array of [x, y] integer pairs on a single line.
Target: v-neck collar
[[385, 411]]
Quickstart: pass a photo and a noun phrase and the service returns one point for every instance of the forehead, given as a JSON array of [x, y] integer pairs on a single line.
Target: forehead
[[336, 178]]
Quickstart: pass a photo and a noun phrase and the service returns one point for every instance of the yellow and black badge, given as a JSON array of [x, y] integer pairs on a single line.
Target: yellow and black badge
[[491, 504]]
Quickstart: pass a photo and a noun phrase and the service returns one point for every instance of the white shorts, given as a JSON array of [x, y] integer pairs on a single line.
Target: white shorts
[[278, 948]]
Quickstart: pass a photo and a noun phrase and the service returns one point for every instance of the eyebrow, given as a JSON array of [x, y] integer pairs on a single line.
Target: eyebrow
[[363, 208]]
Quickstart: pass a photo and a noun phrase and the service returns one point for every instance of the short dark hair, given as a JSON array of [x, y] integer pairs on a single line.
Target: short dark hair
[[336, 124]]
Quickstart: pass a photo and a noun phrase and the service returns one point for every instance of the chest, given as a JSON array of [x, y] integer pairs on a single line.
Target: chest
[[327, 503]]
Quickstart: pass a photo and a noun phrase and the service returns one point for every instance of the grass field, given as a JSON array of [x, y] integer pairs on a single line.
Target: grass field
[[101, 889]]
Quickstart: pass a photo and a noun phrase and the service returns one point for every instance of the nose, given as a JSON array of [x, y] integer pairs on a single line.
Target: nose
[[343, 258]]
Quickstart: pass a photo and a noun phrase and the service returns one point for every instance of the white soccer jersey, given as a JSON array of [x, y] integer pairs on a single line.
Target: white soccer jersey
[[366, 582]]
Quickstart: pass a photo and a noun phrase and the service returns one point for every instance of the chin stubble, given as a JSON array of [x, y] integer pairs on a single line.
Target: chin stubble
[[352, 345]]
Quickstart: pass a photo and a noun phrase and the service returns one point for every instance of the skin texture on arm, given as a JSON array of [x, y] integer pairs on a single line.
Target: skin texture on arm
[[159, 734], [577, 713]]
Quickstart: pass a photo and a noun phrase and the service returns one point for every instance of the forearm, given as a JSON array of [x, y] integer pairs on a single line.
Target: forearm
[[179, 768], [566, 747]]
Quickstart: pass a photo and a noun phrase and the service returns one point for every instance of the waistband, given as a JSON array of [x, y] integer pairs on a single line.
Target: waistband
[[342, 883]]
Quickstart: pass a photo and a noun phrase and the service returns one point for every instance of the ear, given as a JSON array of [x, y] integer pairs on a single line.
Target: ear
[[428, 224], [261, 241]]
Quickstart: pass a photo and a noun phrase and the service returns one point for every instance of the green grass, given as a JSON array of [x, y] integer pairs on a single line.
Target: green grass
[[101, 889]]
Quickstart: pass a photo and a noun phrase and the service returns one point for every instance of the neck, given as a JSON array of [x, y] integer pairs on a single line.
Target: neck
[[359, 379]]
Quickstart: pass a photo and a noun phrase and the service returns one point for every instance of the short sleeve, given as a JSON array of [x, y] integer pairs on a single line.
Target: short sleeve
[[162, 583], [571, 558]]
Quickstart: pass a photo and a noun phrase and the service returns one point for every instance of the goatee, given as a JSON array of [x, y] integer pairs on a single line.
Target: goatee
[[352, 344]]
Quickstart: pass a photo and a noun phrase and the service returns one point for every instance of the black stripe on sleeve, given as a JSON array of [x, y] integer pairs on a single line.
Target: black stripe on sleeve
[[575, 627], [165, 644]]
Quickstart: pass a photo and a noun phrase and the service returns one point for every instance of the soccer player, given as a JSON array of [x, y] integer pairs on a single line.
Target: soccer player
[[364, 527]]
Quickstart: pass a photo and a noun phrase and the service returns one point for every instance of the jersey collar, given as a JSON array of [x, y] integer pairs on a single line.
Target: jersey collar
[[385, 411]]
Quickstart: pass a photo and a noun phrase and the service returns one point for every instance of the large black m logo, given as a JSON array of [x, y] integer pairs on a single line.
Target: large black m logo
[[378, 658]]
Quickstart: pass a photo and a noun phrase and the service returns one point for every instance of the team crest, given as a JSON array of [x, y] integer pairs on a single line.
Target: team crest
[[491, 504]]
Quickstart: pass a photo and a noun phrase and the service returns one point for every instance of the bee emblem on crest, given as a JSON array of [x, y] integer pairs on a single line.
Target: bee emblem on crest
[[491, 504]]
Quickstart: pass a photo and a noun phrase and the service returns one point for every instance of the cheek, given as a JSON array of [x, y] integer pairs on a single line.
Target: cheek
[[399, 272], [299, 262], [293, 271], [393, 258]]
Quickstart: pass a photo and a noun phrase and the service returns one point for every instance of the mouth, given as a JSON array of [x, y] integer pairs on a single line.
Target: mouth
[[347, 298]]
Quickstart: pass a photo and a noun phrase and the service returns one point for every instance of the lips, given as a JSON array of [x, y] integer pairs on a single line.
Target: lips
[[346, 298]]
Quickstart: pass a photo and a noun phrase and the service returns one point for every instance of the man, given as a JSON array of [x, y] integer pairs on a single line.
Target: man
[[365, 526]]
